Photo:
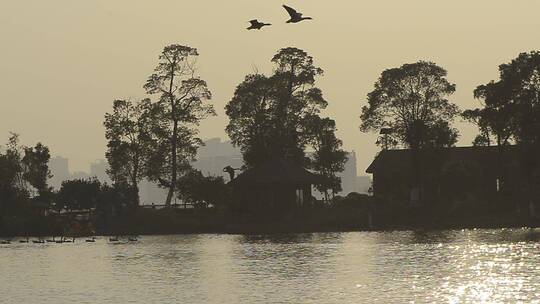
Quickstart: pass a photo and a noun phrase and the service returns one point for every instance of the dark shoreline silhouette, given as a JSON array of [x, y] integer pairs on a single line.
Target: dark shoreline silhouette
[[310, 220]]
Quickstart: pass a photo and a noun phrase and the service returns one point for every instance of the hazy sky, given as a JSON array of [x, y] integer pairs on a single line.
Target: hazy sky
[[62, 62]]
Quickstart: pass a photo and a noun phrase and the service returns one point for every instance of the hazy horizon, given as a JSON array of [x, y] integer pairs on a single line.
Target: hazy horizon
[[63, 62]]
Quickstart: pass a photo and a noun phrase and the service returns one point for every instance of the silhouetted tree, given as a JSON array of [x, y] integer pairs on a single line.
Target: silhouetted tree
[[521, 78], [113, 199], [8, 175], [494, 120], [328, 158], [268, 114], [441, 135], [23, 167], [200, 190], [23, 172], [496, 117], [78, 194], [130, 130], [14, 153], [511, 112], [410, 100], [11, 193], [475, 116], [481, 140], [183, 97], [36, 167]]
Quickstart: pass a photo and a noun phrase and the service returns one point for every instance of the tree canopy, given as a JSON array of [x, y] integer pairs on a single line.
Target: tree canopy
[[511, 105], [182, 104], [412, 101], [200, 190], [521, 77], [328, 157], [131, 130], [496, 117], [268, 114], [23, 178], [36, 167]]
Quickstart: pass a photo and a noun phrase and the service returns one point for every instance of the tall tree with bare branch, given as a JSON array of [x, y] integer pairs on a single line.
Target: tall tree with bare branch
[[183, 99]]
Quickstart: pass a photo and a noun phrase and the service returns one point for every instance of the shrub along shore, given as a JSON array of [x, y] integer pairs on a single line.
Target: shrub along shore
[[352, 213]]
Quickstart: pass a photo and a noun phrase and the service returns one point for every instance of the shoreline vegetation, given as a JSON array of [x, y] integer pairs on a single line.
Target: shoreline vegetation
[[291, 228], [350, 216], [289, 149]]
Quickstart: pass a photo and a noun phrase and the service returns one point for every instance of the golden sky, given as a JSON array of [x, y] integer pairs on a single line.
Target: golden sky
[[62, 62]]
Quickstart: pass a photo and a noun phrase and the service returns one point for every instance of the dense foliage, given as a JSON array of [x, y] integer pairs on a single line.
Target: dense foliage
[[278, 116], [268, 115], [412, 101]]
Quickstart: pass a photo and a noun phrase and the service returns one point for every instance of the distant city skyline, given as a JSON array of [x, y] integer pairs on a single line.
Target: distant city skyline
[[211, 159]]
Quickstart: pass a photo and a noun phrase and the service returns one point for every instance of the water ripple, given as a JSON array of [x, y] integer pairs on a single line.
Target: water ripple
[[473, 266]]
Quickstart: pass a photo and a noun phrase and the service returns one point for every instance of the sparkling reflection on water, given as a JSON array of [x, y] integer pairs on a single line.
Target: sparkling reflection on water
[[475, 266]]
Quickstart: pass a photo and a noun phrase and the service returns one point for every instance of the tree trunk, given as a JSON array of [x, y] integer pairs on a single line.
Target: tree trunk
[[136, 193], [500, 165], [326, 198], [174, 165], [173, 137], [415, 161], [285, 137], [135, 188], [134, 183]]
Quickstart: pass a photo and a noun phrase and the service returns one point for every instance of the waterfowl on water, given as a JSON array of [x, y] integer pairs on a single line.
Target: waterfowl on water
[[5, 242], [65, 240], [23, 240], [91, 240]]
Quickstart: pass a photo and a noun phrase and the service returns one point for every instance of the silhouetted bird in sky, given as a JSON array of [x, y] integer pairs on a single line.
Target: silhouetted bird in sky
[[295, 16], [256, 25]]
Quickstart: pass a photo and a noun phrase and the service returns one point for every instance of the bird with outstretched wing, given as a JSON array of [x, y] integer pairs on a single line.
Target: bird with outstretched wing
[[256, 25], [295, 16]]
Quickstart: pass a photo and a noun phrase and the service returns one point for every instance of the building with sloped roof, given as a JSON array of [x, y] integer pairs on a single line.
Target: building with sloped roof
[[276, 186], [447, 174]]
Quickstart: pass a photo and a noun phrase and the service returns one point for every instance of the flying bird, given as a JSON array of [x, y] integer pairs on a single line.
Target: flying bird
[[256, 25], [295, 16]]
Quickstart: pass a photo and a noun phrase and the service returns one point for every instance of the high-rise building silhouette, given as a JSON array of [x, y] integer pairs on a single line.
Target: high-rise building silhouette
[[349, 175], [151, 193], [216, 155], [211, 159], [363, 184], [79, 175], [98, 169], [59, 167]]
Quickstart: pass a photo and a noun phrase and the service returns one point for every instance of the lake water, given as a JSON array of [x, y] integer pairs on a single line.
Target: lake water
[[493, 266]]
